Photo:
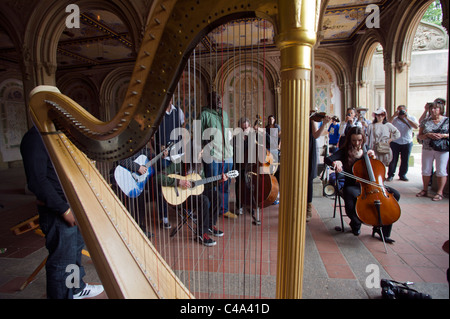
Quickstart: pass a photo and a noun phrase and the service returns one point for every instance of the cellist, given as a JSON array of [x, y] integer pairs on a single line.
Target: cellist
[[343, 160]]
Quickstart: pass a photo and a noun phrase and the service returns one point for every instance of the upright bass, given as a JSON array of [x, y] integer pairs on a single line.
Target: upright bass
[[375, 206], [264, 184], [261, 185]]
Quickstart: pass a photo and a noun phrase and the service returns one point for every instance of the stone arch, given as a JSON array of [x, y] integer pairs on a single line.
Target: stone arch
[[399, 49], [112, 92], [250, 72], [14, 121], [191, 93], [402, 39], [327, 92], [82, 90], [365, 49], [342, 78], [364, 92], [47, 23]]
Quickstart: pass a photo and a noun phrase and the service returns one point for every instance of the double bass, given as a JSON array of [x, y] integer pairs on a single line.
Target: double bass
[[261, 186], [375, 206], [264, 185]]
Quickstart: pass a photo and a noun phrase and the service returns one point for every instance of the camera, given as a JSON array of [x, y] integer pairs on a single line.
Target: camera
[[429, 104], [402, 112], [396, 290]]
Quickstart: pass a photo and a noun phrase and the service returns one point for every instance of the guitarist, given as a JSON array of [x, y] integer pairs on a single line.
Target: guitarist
[[136, 206], [173, 119], [206, 204]]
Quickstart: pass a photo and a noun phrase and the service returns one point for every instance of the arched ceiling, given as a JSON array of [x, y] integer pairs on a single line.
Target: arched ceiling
[[103, 38]]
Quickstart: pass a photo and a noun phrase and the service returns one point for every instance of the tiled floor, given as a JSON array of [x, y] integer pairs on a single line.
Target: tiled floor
[[243, 263]]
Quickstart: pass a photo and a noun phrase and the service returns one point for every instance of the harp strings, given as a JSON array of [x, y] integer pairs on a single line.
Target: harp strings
[[236, 265]]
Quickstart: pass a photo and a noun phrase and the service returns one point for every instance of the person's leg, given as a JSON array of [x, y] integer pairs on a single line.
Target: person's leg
[[63, 244], [215, 201], [238, 185], [79, 250], [405, 152], [163, 208], [224, 188], [386, 229], [427, 166], [202, 205], [309, 196], [393, 164], [441, 173], [350, 195]]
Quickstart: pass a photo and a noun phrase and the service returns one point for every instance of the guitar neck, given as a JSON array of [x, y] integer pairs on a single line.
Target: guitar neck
[[206, 180], [154, 159]]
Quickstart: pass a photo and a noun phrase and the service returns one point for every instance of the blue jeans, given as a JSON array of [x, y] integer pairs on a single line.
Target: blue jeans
[[403, 151], [215, 168], [64, 245]]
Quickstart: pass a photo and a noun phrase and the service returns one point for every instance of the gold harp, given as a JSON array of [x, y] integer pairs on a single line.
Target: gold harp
[[126, 261]]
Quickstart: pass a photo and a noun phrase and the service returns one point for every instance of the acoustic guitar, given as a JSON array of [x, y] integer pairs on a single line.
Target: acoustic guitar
[[177, 195], [131, 183]]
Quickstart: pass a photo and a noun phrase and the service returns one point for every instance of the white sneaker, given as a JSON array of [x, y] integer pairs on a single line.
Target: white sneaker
[[90, 291]]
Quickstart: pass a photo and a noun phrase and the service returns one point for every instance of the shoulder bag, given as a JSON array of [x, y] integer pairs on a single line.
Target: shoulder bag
[[380, 147], [441, 145]]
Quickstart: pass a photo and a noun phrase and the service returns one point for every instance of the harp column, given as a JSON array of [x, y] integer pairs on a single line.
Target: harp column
[[297, 35]]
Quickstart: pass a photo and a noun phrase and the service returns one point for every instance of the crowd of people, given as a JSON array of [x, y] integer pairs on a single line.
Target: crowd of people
[[388, 140], [221, 151]]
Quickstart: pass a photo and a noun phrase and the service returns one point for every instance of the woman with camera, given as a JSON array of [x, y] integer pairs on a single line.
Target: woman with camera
[[434, 135], [402, 146]]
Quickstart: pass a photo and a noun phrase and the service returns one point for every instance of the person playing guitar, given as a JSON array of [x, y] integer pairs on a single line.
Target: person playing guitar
[[131, 191], [206, 204]]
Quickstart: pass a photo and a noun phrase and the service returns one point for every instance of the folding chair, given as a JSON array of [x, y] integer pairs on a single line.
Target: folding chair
[[185, 215], [338, 199]]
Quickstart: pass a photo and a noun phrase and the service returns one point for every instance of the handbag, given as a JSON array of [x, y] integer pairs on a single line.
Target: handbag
[[441, 145], [382, 148]]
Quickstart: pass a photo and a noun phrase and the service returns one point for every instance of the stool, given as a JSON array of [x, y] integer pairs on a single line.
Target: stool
[[337, 203], [338, 198], [185, 215]]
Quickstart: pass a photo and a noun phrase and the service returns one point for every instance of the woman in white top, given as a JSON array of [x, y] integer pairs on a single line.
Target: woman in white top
[[434, 127], [381, 131]]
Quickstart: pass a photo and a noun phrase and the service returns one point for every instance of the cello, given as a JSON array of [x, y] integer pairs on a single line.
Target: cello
[[264, 185], [375, 206], [260, 182]]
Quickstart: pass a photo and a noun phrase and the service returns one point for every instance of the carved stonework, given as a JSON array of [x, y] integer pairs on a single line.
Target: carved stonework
[[401, 65], [430, 37], [49, 68]]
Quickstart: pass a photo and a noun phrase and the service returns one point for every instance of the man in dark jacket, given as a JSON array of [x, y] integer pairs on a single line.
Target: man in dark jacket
[[63, 238]]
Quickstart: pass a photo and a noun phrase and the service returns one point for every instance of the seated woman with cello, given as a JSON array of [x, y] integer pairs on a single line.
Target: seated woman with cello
[[347, 160]]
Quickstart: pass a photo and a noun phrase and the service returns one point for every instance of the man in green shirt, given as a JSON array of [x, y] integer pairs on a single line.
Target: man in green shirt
[[217, 145]]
